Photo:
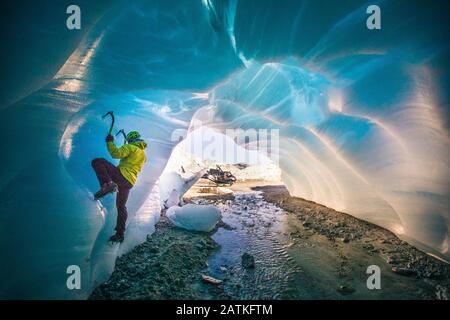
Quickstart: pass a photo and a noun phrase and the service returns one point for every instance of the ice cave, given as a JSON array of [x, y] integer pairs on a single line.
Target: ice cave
[[362, 119]]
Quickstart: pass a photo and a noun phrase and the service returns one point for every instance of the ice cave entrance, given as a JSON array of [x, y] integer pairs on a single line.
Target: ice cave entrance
[[249, 155]]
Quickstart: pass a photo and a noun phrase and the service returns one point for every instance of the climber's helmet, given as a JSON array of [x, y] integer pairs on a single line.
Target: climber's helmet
[[133, 136]]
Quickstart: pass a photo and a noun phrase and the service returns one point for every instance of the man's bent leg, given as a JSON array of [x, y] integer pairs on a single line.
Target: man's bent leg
[[103, 169], [106, 173]]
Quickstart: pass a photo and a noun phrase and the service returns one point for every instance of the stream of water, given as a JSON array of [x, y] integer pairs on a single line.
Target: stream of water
[[292, 262]]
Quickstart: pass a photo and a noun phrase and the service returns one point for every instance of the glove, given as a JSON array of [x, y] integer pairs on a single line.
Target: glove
[[109, 138]]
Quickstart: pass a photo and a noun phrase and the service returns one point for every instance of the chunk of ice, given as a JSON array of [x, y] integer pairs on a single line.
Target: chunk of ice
[[194, 217]]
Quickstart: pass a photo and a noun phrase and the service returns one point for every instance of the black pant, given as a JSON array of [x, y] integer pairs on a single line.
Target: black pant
[[107, 172]]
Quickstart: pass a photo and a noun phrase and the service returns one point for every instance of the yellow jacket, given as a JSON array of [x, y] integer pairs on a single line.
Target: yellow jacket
[[132, 157]]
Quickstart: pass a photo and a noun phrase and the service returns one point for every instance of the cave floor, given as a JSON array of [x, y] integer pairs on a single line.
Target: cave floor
[[270, 245]]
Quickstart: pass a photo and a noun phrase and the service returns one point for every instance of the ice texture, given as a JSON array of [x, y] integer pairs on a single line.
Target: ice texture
[[363, 118], [194, 217]]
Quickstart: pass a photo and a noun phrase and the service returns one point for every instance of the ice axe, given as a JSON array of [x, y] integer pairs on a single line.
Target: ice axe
[[124, 135], [110, 113]]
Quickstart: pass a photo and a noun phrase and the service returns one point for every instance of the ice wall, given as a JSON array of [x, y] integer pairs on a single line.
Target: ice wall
[[359, 163], [363, 115], [363, 118]]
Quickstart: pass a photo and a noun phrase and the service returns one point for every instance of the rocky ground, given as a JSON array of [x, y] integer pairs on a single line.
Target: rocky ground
[[373, 242], [167, 266], [273, 246]]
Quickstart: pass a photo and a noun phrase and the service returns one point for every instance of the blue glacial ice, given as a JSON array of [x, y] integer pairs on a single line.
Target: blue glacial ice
[[362, 115]]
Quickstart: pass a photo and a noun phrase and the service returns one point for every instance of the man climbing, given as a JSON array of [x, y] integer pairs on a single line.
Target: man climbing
[[121, 178]]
